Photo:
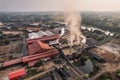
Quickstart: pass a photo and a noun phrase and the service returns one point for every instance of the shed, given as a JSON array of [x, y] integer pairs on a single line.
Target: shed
[[91, 42], [17, 74]]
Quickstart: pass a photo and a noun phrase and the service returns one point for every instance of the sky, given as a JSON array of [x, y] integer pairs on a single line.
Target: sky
[[59, 5]]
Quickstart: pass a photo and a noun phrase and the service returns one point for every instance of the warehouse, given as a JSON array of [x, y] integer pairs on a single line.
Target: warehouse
[[37, 49]]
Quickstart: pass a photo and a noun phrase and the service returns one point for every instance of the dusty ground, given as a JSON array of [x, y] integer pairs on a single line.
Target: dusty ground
[[107, 68], [13, 50], [110, 53], [112, 47], [106, 55], [68, 51], [15, 47], [4, 73], [49, 65]]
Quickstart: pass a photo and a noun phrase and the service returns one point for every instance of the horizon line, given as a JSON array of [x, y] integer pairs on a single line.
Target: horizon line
[[60, 11]]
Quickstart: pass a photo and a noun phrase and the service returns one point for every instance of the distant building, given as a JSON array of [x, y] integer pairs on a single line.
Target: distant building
[[35, 24], [12, 32], [32, 29], [1, 24]]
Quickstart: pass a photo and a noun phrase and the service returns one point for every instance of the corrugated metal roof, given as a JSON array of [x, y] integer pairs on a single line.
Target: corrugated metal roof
[[49, 33], [37, 46], [91, 42], [15, 61], [6, 78], [40, 55], [31, 63], [45, 38], [37, 35], [34, 47], [87, 68], [43, 45], [16, 74], [33, 35], [41, 33], [53, 42]]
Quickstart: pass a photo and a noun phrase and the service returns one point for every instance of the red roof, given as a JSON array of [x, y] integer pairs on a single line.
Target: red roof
[[37, 46], [40, 55], [33, 60], [15, 61], [16, 74], [33, 48], [43, 45], [31, 63]]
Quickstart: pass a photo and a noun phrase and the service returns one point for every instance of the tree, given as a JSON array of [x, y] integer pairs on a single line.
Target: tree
[[39, 63]]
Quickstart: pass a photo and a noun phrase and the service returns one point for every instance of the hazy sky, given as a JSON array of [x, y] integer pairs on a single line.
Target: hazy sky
[[58, 5]]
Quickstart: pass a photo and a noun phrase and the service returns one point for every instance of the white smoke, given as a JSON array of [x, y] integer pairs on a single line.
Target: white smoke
[[62, 32], [73, 20]]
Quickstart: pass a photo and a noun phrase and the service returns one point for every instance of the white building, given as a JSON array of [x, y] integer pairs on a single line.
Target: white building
[[39, 34]]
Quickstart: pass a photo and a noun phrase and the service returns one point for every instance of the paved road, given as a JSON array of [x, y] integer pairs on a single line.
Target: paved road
[[105, 71], [40, 74], [72, 70], [24, 49], [77, 72], [56, 76]]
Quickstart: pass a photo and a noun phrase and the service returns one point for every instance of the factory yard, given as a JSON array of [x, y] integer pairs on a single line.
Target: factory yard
[[106, 55], [111, 58], [43, 58], [38, 68], [11, 51], [4, 72], [11, 48], [109, 52], [43, 47], [107, 68]]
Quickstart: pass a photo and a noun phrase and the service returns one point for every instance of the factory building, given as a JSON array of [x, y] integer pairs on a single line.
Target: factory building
[[17, 74], [40, 34], [37, 49]]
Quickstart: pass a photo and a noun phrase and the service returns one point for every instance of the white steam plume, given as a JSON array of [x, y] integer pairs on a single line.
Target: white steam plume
[[73, 20]]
